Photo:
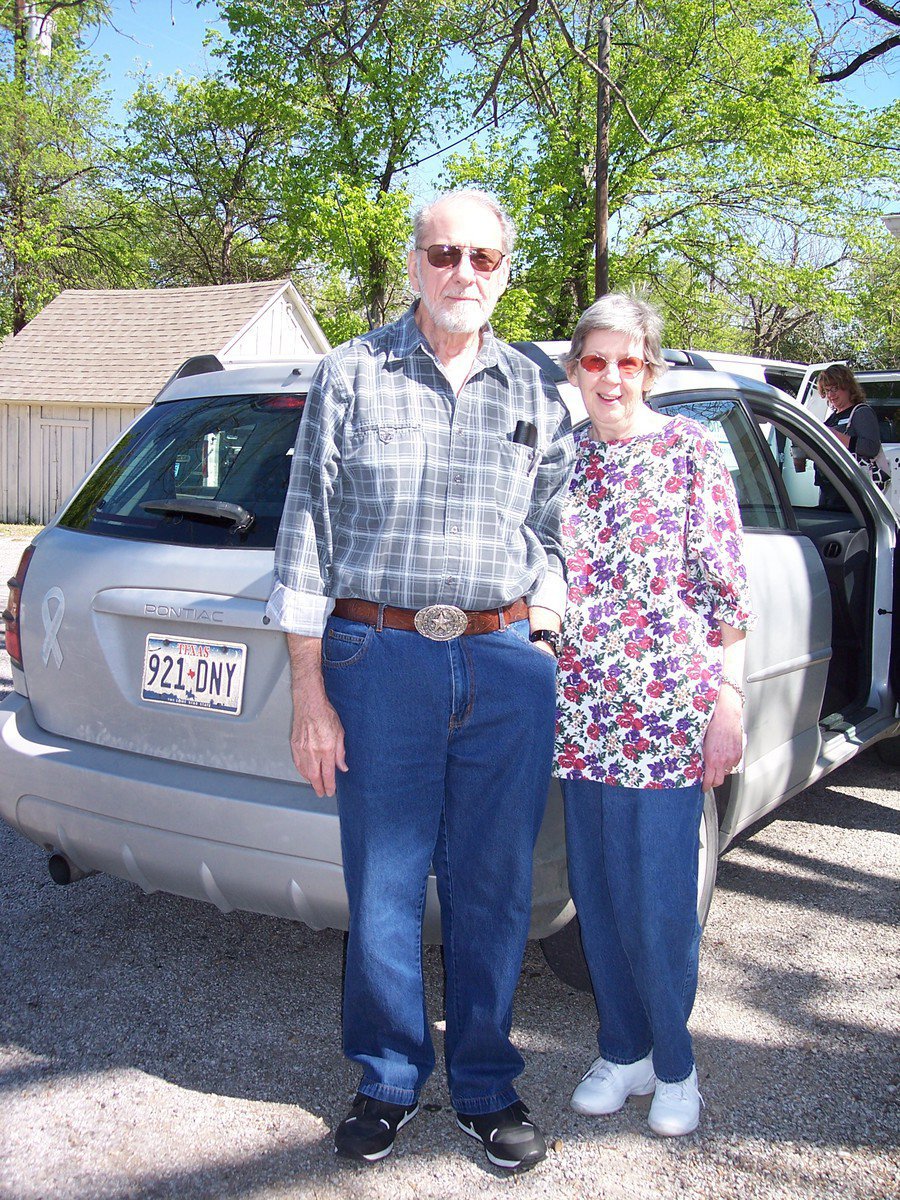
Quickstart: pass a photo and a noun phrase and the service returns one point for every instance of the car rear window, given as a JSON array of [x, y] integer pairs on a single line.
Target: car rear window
[[210, 472]]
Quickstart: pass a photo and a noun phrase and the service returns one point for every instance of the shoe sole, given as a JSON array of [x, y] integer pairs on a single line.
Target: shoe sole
[[521, 1164], [585, 1111], [378, 1155]]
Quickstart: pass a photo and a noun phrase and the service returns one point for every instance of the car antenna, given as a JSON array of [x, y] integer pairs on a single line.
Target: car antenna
[[362, 291]]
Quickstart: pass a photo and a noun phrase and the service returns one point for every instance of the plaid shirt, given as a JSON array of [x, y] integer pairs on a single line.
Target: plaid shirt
[[405, 494]]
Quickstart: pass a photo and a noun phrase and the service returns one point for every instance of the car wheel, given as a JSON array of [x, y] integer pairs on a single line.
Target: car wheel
[[888, 750], [563, 950], [708, 861]]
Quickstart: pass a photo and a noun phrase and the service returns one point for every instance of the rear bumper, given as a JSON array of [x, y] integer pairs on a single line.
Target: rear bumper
[[237, 841]]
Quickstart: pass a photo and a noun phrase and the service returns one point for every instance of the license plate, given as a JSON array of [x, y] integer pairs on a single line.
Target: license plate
[[196, 674]]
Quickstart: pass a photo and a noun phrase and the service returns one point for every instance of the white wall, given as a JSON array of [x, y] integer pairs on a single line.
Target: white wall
[[46, 450]]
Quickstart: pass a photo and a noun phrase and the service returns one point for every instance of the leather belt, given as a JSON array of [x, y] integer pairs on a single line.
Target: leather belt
[[438, 622]]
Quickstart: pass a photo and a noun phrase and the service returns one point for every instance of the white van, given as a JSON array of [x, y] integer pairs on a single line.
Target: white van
[[786, 376]]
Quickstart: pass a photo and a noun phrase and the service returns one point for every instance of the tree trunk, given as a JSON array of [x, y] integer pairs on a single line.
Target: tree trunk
[[601, 186]]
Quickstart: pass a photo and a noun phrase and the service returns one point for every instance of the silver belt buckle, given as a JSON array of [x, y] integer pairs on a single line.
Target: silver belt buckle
[[441, 622]]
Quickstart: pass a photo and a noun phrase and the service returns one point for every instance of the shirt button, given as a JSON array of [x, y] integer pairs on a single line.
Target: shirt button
[[457, 478], [454, 529], [450, 579]]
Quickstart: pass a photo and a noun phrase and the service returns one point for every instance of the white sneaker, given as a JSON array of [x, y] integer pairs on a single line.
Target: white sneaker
[[676, 1107], [606, 1086]]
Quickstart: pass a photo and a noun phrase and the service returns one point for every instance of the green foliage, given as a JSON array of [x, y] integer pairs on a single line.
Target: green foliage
[[62, 220], [738, 186], [200, 162], [743, 194], [362, 91], [873, 337]]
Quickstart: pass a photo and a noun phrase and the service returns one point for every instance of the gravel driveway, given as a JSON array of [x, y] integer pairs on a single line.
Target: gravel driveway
[[152, 1047]]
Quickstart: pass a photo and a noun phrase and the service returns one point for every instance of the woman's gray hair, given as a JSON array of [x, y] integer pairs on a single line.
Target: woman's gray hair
[[619, 312], [485, 199]]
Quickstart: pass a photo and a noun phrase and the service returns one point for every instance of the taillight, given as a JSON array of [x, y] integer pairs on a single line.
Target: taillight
[[280, 403], [11, 615]]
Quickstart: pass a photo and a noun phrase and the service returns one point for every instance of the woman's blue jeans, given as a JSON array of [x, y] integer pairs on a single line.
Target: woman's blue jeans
[[449, 747], [633, 874]]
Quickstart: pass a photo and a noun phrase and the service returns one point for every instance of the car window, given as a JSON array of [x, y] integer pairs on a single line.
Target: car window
[[731, 427], [193, 473], [884, 397], [785, 379]]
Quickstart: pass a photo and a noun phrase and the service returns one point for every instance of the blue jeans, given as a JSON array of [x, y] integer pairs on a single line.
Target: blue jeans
[[449, 749], [633, 874]]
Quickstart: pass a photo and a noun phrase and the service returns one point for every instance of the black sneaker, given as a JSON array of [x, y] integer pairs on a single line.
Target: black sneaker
[[367, 1132], [510, 1140]]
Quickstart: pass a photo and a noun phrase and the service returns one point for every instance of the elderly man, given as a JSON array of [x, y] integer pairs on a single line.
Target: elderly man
[[419, 579]]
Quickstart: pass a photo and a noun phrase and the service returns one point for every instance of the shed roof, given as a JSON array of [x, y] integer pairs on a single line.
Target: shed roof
[[121, 346]]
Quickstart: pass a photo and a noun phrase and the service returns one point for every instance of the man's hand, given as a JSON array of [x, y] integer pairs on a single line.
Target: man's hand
[[545, 648], [317, 736], [543, 618]]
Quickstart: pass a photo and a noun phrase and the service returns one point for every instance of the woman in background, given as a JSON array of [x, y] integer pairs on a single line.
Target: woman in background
[[855, 425]]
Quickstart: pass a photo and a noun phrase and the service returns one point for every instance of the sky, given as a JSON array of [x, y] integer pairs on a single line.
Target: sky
[[164, 36], [167, 36]]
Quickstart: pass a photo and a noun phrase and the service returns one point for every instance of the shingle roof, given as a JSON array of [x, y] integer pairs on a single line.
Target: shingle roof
[[121, 346]]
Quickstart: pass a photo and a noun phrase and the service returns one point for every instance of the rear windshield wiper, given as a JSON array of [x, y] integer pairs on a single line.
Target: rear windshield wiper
[[213, 510]]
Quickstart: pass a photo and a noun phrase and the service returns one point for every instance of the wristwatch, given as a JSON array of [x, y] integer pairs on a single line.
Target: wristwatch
[[550, 636]]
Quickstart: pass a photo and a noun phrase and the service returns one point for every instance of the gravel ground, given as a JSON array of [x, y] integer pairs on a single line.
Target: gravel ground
[[152, 1047]]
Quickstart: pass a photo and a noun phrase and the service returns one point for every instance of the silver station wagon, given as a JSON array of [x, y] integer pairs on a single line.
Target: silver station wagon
[[147, 732]]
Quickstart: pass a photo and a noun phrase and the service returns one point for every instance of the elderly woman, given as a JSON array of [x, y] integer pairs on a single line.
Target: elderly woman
[[650, 690]]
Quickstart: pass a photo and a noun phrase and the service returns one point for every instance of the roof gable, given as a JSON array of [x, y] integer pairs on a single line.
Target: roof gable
[[121, 346]]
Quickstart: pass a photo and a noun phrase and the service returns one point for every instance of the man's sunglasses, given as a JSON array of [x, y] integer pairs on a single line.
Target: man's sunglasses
[[628, 368], [484, 261]]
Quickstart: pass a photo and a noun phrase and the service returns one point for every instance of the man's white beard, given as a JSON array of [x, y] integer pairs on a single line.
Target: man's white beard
[[467, 317]]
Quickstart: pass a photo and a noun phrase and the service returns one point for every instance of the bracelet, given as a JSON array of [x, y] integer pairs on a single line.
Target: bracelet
[[735, 687]]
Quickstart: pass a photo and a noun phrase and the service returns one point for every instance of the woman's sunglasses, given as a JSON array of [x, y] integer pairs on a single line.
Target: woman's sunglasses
[[628, 368], [484, 261]]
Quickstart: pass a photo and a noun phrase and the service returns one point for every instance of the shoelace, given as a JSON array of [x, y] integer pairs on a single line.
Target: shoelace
[[598, 1070], [675, 1091]]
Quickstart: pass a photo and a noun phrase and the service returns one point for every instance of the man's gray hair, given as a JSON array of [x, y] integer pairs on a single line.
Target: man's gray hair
[[485, 199], [620, 312]]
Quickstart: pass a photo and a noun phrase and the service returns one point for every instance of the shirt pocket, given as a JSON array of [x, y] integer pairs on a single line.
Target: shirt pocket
[[384, 463], [514, 470]]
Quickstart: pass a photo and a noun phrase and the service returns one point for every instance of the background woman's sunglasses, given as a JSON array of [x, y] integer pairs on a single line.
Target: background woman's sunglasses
[[482, 260], [628, 367]]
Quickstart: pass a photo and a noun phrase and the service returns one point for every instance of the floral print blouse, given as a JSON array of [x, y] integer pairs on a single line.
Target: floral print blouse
[[653, 544]]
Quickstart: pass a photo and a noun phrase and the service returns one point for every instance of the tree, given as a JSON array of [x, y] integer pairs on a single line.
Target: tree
[[62, 221], [851, 35], [363, 88], [733, 174], [201, 162]]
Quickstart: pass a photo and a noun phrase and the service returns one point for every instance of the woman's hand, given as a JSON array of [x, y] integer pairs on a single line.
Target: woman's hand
[[723, 745]]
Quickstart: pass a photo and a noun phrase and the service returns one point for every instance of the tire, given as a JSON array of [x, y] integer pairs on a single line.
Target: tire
[[708, 861], [565, 957], [563, 951], [888, 750]]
